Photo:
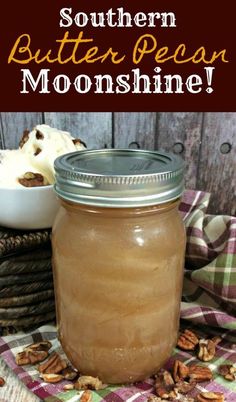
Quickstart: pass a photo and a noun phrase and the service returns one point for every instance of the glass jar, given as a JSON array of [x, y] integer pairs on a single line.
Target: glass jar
[[118, 252]]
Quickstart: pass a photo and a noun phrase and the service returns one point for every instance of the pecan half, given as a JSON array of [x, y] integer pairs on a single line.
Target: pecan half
[[2, 382], [34, 353], [24, 138], [184, 387], [199, 373], [68, 387], [39, 135], [30, 357], [38, 150], [39, 346], [216, 339], [180, 371], [77, 141], [52, 378], [69, 373], [153, 398], [22, 358], [30, 179], [88, 382], [54, 365], [87, 396], [164, 385], [228, 371], [210, 397], [224, 369], [207, 350], [188, 340]]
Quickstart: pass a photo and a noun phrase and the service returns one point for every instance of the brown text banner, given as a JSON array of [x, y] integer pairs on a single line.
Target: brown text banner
[[84, 56]]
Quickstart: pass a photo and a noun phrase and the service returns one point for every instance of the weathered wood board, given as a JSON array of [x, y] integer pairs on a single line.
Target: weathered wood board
[[181, 133], [12, 126], [207, 142], [135, 130], [217, 161], [93, 128]]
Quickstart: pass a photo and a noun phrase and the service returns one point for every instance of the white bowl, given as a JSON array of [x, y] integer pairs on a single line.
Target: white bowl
[[28, 207]]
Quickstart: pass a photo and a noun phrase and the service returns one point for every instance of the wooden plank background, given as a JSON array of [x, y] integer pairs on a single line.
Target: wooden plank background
[[207, 142]]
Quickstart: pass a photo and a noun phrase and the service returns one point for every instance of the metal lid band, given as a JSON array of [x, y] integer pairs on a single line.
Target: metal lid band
[[119, 177]]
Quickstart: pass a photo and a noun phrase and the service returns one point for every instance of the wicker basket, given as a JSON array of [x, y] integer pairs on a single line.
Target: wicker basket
[[26, 283]]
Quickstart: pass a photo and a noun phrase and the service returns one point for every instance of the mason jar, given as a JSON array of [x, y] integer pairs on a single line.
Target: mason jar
[[118, 252]]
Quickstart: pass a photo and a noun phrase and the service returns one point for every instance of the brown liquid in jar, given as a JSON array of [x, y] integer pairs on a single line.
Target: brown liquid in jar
[[118, 281]]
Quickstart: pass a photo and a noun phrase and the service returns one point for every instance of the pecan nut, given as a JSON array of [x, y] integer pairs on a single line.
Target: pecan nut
[[30, 179], [69, 373], [37, 151], [68, 387], [52, 378], [54, 365], [87, 396], [34, 353], [165, 386], [39, 135], [180, 371], [30, 357], [216, 339], [224, 369], [88, 382], [230, 377], [39, 346], [2, 382], [78, 141], [228, 371], [22, 358], [188, 340], [207, 350], [199, 373], [184, 387], [24, 138], [210, 397], [187, 399]]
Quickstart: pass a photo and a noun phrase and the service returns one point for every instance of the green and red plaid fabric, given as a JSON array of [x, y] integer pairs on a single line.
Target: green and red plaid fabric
[[209, 305], [225, 354], [209, 292]]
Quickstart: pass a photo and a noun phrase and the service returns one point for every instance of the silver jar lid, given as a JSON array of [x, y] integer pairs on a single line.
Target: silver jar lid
[[119, 177]]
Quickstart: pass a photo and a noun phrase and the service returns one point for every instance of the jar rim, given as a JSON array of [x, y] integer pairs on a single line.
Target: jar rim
[[119, 177]]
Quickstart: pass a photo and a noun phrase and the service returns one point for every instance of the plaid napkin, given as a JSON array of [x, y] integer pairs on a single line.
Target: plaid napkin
[[209, 292], [209, 297], [139, 392]]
